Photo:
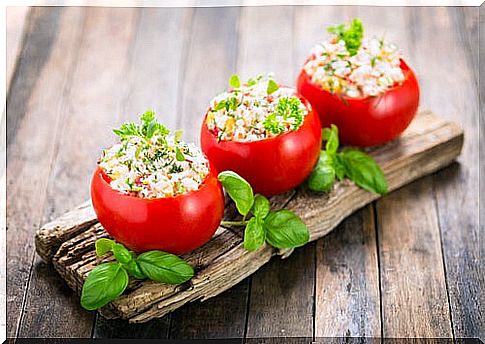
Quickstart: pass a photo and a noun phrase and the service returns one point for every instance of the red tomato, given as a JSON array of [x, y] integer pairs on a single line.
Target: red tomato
[[177, 224], [272, 166], [365, 121]]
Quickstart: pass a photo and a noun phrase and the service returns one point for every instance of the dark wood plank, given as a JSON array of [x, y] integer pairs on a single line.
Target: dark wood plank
[[281, 296], [33, 121], [90, 105], [347, 288], [209, 61], [153, 79], [455, 188], [347, 280], [481, 149], [413, 287]]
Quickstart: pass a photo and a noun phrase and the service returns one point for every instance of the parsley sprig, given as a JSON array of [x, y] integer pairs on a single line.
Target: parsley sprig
[[354, 164], [108, 281], [280, 229], [287, 107], [351, 35], [148, 128]]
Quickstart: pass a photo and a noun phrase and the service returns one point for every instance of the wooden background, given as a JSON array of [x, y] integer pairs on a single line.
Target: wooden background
[[405, 266]]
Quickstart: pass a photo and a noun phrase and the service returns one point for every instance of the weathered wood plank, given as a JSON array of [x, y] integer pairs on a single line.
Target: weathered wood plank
[[208, 65], [281, 294], [156, 67], [16, 22], [347, 302], [414, 299], [103, 56], [153, 82], [456, 188], [33, 121], [209, 60], [481, 149], [72, 223], [427, 145]]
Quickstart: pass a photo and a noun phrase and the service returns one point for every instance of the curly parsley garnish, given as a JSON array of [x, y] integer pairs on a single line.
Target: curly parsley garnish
[[288, 109]]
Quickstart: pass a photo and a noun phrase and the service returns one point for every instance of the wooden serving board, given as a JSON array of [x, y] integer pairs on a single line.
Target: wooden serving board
[[429, 144]]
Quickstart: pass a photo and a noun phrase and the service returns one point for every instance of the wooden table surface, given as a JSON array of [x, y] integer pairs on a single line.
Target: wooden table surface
[[405, 266]]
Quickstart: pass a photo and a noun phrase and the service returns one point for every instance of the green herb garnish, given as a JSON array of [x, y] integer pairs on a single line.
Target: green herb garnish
[[148, 128], [234, 81], [280, 229], [354, 164], [351, 35], [286, 108], [108, 281], [272, 124], [272, 86]]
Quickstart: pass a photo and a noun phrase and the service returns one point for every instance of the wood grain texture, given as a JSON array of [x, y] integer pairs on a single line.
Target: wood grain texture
[[211, 39], [414, 298], [153, 80], [481, 149], [209, 62], [347, 299], [456, 188], [281, 296], [347, 280], [34, 113], [156, 74], [16, 22], [223, 262], [108, 33]]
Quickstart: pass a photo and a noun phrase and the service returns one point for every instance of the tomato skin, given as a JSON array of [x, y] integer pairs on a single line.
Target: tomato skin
[[272, 166], [365, 121], [177, 224]]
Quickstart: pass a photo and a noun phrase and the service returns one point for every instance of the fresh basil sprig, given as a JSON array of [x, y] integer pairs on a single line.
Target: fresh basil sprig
[[354, 164], [107, 281], [280, 229]]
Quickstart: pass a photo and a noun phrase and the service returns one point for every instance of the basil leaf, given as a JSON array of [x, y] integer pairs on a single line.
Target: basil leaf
[[164, 267], [364, 171], [338, 166], [103, 246], [322, 177], [331, 136], [239, 190], [104, 283], [272, 86], [261, 206], [285, 230], [121, 253], [179, 155], [234, 81], [134, 269], [254, 235]]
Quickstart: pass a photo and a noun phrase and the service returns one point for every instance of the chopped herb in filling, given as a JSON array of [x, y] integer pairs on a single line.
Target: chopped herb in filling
[[150, 162], [256, 110], [349, 64]]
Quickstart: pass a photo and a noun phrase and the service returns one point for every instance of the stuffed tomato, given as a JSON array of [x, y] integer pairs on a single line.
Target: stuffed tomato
[[362, 85], [152, 191], [264, 132]]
